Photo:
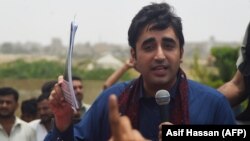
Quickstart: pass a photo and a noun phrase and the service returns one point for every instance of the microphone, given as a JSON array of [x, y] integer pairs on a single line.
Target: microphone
[[162, 98]]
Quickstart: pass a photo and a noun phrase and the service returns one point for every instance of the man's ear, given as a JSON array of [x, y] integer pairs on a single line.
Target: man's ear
[[133, 57], [181, 54], [133, 54]]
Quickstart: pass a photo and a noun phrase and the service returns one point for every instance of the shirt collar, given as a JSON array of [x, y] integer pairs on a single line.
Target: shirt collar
[[172, 91]]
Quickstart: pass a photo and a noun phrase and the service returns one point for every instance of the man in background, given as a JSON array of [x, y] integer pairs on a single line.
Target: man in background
[[79, 92], [12, 128], [29, 110], [44, 123], [236, 90]]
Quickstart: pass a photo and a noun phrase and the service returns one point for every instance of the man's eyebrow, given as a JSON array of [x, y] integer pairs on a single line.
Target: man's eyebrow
[[149, 40], [167, 39]]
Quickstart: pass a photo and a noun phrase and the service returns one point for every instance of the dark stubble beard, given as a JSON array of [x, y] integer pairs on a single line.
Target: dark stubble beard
[[47, 119], [9, 116]]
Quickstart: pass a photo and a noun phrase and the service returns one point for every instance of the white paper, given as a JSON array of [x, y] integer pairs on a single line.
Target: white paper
[[67, 85]]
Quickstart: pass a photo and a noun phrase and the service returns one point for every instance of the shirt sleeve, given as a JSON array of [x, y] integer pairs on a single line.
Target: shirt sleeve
[[56, 135], [224, 114]]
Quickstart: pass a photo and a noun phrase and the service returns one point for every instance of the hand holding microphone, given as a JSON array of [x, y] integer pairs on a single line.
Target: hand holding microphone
[[162, 98]]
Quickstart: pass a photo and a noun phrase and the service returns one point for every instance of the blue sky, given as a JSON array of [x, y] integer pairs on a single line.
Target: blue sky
[[108, 20]]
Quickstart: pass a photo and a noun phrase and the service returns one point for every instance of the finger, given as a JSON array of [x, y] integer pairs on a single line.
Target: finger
[[111, 139], [125, 125], [165, 123], [120, 125], [58, 92], [160, 129], [160, 135], [52, 96], [54, 99], [60, 79], [137, 135], [113, 113]]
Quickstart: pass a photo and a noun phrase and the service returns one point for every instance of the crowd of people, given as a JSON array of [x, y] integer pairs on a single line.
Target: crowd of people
[[36, 118], [128, 110]]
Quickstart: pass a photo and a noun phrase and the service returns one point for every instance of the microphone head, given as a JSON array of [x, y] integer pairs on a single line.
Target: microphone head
[[162, 97]]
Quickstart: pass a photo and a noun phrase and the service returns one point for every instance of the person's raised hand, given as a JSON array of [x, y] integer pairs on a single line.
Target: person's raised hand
[[120, 125], [62, 110]]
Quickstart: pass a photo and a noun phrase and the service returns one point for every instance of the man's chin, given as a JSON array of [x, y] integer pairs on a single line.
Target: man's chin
[[5, 116], [160, 80], [45, 120]]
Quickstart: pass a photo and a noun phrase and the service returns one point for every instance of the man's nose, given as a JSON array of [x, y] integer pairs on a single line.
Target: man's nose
[[4, 103], [159, 53]]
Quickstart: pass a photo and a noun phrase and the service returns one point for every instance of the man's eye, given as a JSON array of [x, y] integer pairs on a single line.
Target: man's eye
[[168, 45], [148, 47], [79, 87]]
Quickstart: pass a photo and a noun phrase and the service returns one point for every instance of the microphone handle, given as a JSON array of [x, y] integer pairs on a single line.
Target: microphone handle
[[164, 113]]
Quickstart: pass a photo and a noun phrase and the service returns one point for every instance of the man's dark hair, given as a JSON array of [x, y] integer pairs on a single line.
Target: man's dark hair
[[161, 16], [43, 96], [47, 87], [76, 78], [29, 106], [4, 91]]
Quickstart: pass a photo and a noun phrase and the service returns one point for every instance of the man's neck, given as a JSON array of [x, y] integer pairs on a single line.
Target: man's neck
[[7, 123], [47, 125], [7, 120], [150, 90]]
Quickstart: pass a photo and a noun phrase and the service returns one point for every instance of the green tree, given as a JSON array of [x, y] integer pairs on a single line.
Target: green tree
[[21, 69], [204, 73], [225, 61], [221, 71], [41, 69]]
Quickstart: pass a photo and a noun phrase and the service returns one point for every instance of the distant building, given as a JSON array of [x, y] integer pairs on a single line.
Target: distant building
[[108, 61]]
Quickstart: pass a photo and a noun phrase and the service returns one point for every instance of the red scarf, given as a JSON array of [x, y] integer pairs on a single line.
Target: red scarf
[[129, 101]]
